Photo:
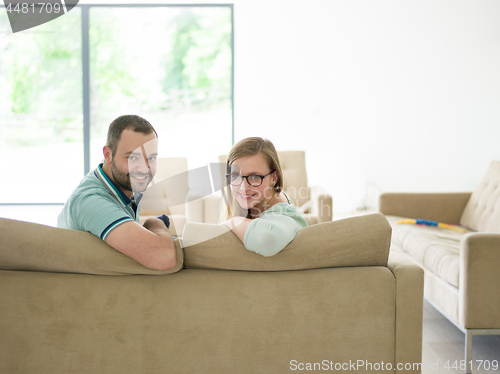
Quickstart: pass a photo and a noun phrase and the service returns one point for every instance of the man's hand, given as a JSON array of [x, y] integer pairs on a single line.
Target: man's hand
[[155, 224], [165, 220], [151, 245]]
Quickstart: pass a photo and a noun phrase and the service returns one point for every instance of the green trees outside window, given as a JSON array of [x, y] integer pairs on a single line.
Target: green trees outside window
[[171, 65]]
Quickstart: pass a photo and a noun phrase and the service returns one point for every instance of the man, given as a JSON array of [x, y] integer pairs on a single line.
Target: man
[[106, 201]]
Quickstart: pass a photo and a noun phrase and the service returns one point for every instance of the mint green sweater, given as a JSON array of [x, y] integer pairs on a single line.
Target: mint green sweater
[[273, 229]]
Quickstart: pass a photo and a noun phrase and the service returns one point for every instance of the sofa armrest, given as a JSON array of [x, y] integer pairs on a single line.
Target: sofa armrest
[[479, 302], [409, 309], [213, 207], [441, 207], [195, 206], [321, 204], [203, 208]]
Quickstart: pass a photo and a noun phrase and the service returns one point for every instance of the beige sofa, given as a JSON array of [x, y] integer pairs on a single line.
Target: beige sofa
[[331, 298], [462, 270]]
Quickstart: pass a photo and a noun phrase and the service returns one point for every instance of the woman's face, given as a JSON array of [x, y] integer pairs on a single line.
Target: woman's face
[[247, 196]]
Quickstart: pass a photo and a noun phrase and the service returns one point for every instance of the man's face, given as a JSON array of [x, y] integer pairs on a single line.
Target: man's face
[[134, 163]]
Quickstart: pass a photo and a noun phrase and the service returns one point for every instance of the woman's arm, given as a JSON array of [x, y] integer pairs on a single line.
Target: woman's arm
[[238, 225], [269, 235], [265, 236]]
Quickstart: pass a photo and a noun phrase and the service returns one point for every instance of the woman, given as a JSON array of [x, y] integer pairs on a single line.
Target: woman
[[257, 210]]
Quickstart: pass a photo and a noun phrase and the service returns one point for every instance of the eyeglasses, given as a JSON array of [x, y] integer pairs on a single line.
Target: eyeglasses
[[252, 180]]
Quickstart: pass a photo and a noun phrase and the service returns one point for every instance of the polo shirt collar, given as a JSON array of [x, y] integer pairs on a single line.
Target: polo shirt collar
[[115, 190]]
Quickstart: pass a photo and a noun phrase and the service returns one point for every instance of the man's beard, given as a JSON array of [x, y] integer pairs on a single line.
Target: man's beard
[[123, 179]]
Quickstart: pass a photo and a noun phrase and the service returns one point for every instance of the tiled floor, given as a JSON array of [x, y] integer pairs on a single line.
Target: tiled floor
[[444, 347]]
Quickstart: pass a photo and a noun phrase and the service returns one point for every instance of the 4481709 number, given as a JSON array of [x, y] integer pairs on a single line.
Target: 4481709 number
[[34, 8], [476, 365]]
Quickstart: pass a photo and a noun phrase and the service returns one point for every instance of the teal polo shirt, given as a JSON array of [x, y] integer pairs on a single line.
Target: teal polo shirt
[[98, 206]]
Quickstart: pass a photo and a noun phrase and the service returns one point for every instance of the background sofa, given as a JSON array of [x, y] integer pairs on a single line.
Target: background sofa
[[72, 304], [170, 172], [462, 270]]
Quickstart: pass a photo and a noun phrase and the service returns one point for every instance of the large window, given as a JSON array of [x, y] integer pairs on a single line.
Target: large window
[[63, 82], [41, 127]]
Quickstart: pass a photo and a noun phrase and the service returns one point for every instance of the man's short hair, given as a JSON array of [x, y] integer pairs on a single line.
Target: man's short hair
[[128, 121]]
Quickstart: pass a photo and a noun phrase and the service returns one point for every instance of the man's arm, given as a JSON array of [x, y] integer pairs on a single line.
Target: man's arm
[[151, 245]]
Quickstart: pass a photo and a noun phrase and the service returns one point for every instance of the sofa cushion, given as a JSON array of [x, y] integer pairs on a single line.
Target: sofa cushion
[[356, 241], [293, 166], [482, 212], [436, 249], [30, 246]]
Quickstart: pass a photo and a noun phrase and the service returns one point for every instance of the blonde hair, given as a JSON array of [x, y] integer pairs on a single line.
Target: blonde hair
[[245, 148]]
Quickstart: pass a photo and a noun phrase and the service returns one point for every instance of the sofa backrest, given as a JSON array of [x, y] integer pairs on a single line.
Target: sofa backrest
[[293, 166], [33, 247], [355, 241], [482, 212]]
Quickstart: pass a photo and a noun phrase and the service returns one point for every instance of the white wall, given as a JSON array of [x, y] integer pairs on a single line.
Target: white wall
[[384, 95], [401, 95]]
